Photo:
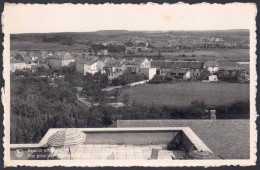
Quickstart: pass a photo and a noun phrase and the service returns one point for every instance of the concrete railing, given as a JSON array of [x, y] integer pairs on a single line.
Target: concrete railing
[[134, 136]]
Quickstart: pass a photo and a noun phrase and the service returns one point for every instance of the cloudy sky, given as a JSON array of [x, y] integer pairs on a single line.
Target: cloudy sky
[[83, 18]]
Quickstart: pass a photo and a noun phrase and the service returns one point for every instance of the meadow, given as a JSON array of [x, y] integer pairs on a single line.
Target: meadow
[[216, 53], [183, 93], [205, 54]]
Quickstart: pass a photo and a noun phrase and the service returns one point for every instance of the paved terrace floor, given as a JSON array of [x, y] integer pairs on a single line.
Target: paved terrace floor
[[89, 151], [227, 138]]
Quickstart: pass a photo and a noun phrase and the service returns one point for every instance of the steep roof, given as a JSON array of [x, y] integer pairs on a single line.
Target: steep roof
[[62, 55], [229, 65], [177, 65], [114, 62], [228, 138], [87, 62], [66, 56], [211, 63], [182, 71], [136, 61], [196, 65]]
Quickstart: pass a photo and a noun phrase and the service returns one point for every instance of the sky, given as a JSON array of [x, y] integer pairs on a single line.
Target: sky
[[85, 18]]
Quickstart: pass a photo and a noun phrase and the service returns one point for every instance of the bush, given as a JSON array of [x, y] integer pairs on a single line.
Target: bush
[[157, 79], [237, 110], [127, 78]]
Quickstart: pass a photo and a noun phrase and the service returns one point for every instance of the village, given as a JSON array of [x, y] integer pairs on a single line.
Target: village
[[91, 63], [157, 85]]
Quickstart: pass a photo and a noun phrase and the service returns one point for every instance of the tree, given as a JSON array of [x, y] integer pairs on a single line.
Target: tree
[[159, 56], [97, 47], [204, 74], [129, 44]]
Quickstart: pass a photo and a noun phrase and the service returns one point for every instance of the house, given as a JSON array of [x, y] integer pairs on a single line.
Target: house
[[136, 63], [115, 68], [113, 65], [33, 56], [184, 74], [230, 69], [18, 65], [149, 72], [23, 56], [114, 75], [109, 68], [101, 64], [229, 65], [213, 78], [246, 67], [87, 66], [61, 59], [195, 69], [211, 66]]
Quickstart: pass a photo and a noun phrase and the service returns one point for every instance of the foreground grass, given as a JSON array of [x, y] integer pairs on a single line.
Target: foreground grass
[[183, 93]]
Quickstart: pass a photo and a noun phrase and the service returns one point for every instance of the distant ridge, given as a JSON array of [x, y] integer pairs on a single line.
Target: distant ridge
[[113, 32], [105, 32]]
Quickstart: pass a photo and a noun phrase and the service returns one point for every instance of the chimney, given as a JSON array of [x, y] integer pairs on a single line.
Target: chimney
[[213, 115]]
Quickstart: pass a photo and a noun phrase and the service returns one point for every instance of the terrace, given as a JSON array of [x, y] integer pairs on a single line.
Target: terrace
[[118, 143]]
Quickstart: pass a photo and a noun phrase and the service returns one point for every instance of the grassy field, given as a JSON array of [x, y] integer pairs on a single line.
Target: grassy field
[[207, 54], [224, 53], [183, 93]]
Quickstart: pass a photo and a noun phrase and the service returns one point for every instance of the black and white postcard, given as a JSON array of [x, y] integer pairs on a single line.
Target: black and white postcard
[[129, 85]]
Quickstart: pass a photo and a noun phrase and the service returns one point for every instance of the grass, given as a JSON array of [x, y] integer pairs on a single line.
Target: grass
[[183, 93], [224, 53], [206, 54]]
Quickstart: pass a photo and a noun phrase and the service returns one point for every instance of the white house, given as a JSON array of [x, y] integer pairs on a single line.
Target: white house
[[136, 63], [101, 64], [87, 66], [149, 72], [18, 65], [61, 60], [213, 78]]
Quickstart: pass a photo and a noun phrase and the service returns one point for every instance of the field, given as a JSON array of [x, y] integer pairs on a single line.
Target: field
[[206, 54], [224, 53], [183, 93]]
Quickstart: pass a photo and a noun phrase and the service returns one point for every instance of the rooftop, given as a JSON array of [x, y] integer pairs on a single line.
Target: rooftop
[[177, 65], [87, 62], [227, 138], [118, 143], [229, 65]]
